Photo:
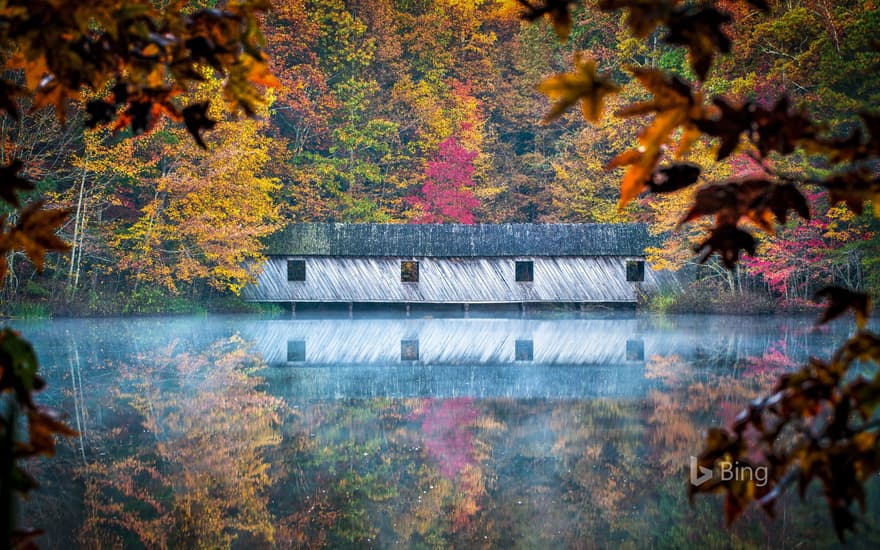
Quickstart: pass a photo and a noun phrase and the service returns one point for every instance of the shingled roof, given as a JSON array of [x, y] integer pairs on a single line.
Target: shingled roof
[[449, 240]]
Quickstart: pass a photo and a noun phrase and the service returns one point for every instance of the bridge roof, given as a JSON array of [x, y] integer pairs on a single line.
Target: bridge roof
[[455, 240]]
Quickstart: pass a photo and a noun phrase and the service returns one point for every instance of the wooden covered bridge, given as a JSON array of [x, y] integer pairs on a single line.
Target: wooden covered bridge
[[457, 264]]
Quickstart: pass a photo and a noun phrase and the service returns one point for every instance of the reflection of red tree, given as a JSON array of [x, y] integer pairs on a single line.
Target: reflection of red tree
[[448, 436], [775, 361]]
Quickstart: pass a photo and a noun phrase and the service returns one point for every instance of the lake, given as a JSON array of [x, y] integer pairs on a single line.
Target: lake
[[568, 432]]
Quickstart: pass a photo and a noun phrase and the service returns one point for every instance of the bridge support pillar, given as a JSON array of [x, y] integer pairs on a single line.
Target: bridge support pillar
[[467, 310], [407, 310], [350, 310], [293, 309], [522, 309]]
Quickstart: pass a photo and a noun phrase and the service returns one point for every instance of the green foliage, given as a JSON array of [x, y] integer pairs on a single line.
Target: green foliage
[[30, 310], [154, 300]]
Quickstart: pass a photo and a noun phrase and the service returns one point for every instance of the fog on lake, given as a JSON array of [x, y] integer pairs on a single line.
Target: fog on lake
[[571, 432]]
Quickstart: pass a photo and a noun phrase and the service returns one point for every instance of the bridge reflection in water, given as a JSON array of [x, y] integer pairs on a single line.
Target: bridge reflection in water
[[332, 359]]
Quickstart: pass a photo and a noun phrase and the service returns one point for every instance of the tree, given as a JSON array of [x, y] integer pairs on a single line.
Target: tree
[[148, 57], [808, 427], [203, 211], [446, 195]]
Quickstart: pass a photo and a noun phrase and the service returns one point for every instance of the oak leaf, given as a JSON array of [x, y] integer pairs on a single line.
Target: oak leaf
[[853, 189], [35, 232], [840, 300], [644, 15], [11, 183], [559, 12], [700, 30], [196, 119], [674, 177], [727, 240], [732, 122]]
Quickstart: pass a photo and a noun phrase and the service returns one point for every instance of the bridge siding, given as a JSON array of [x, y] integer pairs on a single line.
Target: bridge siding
[[452, 280]]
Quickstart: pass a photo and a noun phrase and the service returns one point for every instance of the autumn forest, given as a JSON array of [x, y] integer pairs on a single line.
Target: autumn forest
[[429, 112], [725, 154]]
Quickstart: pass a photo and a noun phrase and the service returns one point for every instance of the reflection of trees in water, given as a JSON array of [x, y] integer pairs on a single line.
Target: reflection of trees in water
[[196, 453], [202, 480]]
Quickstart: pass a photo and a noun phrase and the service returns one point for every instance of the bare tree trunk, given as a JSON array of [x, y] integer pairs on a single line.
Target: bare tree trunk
[[74, 266]]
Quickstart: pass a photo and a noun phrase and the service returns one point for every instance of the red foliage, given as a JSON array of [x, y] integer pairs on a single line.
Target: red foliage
[[447, 194], [448, 437]]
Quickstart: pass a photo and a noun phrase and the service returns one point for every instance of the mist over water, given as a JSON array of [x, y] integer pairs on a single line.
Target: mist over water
[[417, 432]]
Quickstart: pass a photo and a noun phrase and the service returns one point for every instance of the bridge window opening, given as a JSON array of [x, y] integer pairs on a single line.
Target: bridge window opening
[[524, 350], [635, 271], [296, 351], [635, 350], [409, 350], [525, 271], [296, 270], [409, 272]]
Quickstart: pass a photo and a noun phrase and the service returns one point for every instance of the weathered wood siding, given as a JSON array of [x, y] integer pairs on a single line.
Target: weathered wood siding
[[455, 341], [452, 280], [456, 358]]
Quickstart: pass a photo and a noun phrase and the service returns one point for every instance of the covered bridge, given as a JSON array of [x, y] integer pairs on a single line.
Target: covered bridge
[[458, 264]]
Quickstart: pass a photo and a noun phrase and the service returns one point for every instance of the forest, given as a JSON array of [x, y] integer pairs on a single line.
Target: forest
[[421, 111], [150, 150]]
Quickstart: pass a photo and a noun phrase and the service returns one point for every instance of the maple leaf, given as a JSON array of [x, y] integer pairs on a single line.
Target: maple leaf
[[196, 119], [727, 240], [558, 11], [11, 182], [585, 84], [756, 199], [675, 106], [670, 92], [840, 300], [35, 232], [839, 150], [204, 50], [700, 30], [714, 199], [139, 116]]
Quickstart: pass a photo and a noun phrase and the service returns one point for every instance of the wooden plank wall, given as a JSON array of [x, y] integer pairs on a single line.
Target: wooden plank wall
[[452, 280], [452, 341]]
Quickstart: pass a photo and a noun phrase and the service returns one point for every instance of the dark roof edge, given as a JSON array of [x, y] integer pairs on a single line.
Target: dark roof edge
[[455, 240]]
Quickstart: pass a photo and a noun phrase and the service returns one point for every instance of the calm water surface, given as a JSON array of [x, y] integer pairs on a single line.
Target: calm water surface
[[414, 433]]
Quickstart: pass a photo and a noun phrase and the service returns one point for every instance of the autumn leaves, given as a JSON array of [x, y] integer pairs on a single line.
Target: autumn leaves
[[681, 116], [149, 57]]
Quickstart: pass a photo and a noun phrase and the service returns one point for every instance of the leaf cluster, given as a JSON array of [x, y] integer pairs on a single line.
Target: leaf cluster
[[145, 56], [18, 382], [818, 423], [682, 115]]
